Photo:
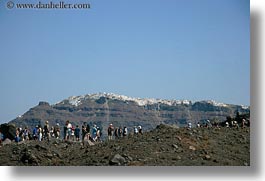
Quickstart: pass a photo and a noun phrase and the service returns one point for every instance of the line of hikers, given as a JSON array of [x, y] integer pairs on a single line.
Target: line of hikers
[[122, 132], [38, 133], [228, 124], [72, 133]]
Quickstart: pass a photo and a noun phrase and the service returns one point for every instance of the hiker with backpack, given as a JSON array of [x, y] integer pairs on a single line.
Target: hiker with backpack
[[57, 131], [46, 131], [94, 133]]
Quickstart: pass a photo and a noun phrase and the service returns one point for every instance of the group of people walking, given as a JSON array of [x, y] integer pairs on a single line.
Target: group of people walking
[[38, 133], [72, 133], [120, 132]]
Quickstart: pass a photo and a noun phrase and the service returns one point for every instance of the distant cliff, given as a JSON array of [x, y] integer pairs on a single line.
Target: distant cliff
[[105, 108]]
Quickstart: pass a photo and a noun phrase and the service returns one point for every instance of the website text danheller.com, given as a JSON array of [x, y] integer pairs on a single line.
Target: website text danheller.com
[[48, 5]]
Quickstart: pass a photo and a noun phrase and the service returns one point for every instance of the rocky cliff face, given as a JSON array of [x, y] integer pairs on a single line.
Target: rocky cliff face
[[103, 109]]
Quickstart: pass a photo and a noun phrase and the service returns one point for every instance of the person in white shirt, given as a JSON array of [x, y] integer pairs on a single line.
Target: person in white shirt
[[69, 129]]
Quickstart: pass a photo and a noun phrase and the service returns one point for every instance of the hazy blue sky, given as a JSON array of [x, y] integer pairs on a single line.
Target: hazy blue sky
[[172, 49]]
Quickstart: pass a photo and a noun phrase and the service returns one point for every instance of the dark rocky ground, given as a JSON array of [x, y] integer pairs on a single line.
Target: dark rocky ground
[[163, 146]]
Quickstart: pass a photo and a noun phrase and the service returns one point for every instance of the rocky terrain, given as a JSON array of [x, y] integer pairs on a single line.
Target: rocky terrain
[[104, 108], [163, 146]]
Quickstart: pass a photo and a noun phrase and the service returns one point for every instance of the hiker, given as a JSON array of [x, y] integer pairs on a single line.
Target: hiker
[[65, 131], [21, 132], [120, 132], [110, 131], [140, 129], [46, 131], [135, 130], [69, 129], [189, 125], [57, 131], [216, 125], [99, 134], [35, 133], [84, 131], [232, 123], [208, 124], [52, 132], [198, 125], [72, 136], [17, 138], [236, 124], [94, 133], [87, 131], [77, 133], [26, 134], [227, 124], [39, 133], [244, 122], [125, 131], [116, 133]]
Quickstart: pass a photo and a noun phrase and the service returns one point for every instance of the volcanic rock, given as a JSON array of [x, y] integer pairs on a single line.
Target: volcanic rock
[[117, 160], [6, 141]]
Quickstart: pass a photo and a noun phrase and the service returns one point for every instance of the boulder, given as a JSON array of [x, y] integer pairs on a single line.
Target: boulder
[[117, 160], [6, 141], [88, 142], [29, 158]]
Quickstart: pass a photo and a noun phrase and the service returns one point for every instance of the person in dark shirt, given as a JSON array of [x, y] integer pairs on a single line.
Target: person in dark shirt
[[64, 131], [77, 133], [84, 132]]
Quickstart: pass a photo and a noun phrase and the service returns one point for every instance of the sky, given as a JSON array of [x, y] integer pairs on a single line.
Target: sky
[[169, 49]]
